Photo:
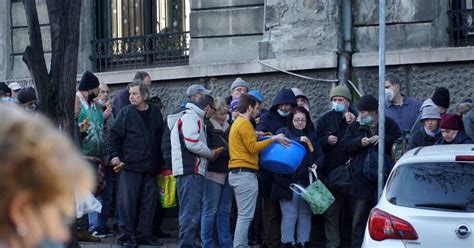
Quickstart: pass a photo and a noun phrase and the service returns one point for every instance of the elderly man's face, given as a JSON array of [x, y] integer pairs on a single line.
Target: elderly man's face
[[136, 99], [237, 92], [104, 92]]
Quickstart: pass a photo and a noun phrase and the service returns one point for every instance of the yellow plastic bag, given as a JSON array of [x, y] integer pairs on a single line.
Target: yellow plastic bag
[[167, 187]]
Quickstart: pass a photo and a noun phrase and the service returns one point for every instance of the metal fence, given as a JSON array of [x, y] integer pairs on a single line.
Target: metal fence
[[132, 52], [461, 27]]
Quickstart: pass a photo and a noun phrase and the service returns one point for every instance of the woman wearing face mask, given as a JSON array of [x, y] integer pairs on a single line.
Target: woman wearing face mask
[[452, 130], [429, 132], [295, 211], [40, 171], [359, 137]]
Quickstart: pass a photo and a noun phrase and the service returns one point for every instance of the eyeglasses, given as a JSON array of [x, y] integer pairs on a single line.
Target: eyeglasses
[[299, 120]]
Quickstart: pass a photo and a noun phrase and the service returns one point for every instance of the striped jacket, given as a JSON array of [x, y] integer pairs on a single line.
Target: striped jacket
[[189, 150]]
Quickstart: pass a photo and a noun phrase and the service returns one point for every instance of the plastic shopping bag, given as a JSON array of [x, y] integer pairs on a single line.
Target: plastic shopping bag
[[87, 203], [167, 187]]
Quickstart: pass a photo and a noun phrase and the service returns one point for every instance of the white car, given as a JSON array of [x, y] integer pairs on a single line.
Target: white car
[[428, 201]]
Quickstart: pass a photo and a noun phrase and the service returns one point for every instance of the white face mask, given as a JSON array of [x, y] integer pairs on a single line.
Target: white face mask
[[389, 95]]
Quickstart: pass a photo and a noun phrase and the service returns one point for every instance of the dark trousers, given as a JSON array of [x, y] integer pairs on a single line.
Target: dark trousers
[[360, 213], [271, 221], [333, 220], [138, 193], [159, 217]]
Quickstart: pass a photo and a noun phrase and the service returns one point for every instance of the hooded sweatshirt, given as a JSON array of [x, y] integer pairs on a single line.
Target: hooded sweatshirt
[[272, 121]]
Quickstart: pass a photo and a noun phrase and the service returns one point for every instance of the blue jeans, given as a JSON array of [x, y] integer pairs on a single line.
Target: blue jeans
[[217, 202], [245, 186], [190, 191], [99, 220], [295, 213]]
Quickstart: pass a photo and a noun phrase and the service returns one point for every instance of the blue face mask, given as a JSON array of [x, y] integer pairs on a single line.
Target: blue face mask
[[367, 120], [8, 99], [284, 114], [338, 107]]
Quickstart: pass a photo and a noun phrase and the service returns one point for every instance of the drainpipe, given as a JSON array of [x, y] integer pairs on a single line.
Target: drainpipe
[[345, 45]]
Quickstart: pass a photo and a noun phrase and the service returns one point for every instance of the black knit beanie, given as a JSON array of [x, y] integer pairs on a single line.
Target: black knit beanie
[[88, 81], [27, 94], [4, 88], [441, 97], [368, 103]]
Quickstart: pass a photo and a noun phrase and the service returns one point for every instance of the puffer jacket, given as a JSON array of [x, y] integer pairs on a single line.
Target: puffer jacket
[[189, 150]]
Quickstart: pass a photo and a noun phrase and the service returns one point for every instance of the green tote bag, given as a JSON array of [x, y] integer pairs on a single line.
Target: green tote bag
[[318, 197]]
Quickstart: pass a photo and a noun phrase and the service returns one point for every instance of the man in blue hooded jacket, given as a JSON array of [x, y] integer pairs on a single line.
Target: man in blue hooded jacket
[[271, 121]]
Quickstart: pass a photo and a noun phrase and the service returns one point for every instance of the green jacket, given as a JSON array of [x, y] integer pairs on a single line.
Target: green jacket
[[93, 144]]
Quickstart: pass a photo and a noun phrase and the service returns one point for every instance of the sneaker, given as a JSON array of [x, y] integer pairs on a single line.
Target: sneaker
[[84, 236], [128, 243], [103, 233]]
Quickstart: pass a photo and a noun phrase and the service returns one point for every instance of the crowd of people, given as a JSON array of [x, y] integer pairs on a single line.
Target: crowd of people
[[212, 146]]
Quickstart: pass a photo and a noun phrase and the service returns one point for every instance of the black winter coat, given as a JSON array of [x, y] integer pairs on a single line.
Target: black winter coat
[[281, 182], [461, 138], [217, 138], [361, 187], [137, 147], [420, 138], [271, 122], [332, 123]]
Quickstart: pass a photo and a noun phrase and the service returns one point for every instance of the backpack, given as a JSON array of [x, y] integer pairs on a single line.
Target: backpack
[[399, 147], [371, 165]]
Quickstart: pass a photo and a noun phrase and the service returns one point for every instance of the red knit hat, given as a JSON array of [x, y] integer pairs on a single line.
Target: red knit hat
[[450, 121]]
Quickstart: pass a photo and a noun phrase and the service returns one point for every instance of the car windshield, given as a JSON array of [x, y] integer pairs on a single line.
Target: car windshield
[[437, 186]]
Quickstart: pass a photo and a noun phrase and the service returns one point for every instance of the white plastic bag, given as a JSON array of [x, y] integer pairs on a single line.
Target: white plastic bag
[[87, 203]]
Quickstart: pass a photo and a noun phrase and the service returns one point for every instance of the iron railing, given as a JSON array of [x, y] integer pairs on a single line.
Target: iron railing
[[461, 27], [154, 50]]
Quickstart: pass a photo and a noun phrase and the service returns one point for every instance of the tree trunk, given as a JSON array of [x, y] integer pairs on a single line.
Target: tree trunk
[[55, 89]]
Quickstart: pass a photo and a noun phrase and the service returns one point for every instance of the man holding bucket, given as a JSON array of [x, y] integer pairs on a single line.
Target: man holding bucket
[[274, 119], [243, 165]]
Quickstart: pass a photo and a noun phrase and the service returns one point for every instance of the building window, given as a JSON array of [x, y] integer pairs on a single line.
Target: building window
[[461, 22], [140, 33]]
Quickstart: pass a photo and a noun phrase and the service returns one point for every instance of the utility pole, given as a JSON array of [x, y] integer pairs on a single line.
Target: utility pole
[[381, 95]]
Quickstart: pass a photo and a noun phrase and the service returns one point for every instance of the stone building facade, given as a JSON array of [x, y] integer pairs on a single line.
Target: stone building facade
[[258, 39]]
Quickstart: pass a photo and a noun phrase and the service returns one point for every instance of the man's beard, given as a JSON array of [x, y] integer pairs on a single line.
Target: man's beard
[[91, 96]]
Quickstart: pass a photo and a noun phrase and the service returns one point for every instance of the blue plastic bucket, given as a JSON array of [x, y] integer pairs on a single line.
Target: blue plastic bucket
[[282, 159]]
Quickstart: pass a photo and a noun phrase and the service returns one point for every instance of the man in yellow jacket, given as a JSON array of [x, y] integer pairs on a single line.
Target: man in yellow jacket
[[243, 164]]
